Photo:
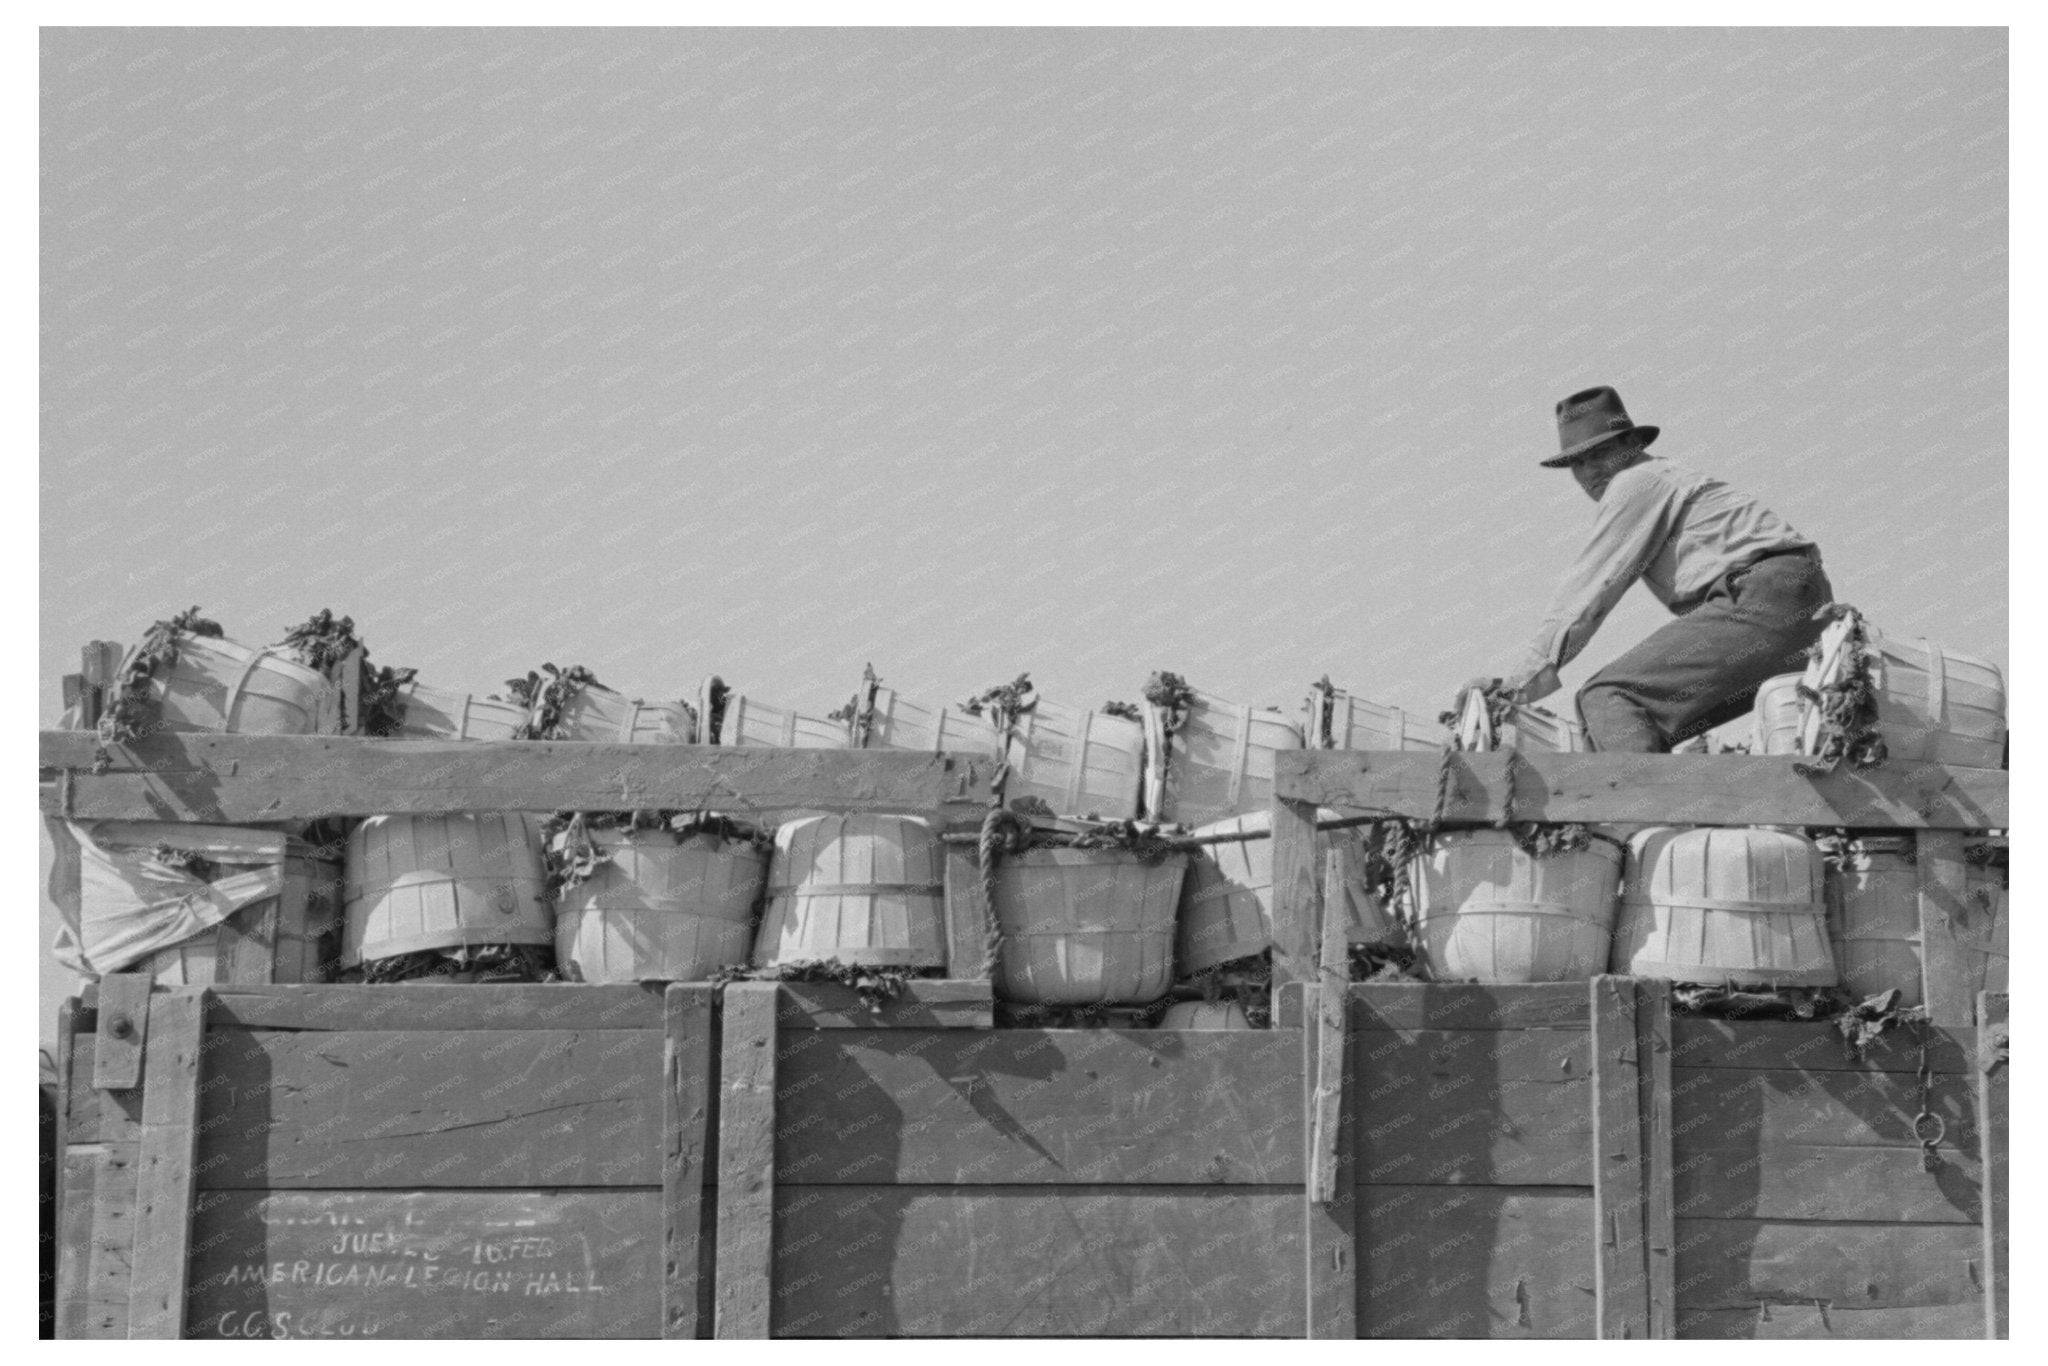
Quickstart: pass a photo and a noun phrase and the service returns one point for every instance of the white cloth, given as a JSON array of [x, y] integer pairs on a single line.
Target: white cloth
[[119, 905]]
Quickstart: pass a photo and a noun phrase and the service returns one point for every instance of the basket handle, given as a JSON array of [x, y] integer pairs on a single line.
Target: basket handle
[[1937, 680]]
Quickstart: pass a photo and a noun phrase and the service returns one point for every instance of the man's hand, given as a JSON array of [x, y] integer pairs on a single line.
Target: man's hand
[[1473, 685]]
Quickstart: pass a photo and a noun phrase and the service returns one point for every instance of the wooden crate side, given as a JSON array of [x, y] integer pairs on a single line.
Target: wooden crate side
[[1807, 1321], [746, 1161], [1808, 1181], [1468, 1106], [172, 1059], [940, 1107], [1764, 1107], [1476, 1262], [1038, 1261], [1330, 1205], [1632, 1209], [1750, 1044], [293, 1110], [427, 1264], [686, 1062], [1413, 1005], [445, 1006], [1994, 1126], [1659, 789], [947, 1003], [239, 779], [1726, 1264]]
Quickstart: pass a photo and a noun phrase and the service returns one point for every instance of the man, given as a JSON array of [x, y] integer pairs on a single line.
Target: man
[[1744, 585]]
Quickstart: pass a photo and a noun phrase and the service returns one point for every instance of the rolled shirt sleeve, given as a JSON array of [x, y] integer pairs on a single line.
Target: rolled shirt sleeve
[[1637, 515]]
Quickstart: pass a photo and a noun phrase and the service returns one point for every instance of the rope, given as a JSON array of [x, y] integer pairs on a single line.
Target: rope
[[1002, 832]]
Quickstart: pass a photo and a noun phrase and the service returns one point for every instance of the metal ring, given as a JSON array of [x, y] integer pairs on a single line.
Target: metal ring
[[1940, 1128]]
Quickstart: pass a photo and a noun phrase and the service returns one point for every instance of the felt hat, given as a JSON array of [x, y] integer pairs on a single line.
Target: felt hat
[[1588, 420]]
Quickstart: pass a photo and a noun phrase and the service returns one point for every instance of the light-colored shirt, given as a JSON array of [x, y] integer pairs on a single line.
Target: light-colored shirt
[[1674, 528]]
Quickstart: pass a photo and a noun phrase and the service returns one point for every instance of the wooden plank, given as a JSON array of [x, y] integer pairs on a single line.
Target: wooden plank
[[438, 1006], [1477, 1262], [1653, 1052], [1768, 1107], [746, 1160], [1746, 1044], [124, 1000], [316, 1110], [685, 1146], [1329, 1235], [100, 667], [1484, 1107], [1993, 1126], [1805, 1181], [1297, 892], [55, 1136], [932, 1003], [93, 1115], [967, 920], [163, 1183], [427, 1264], [1949, 979], [1038, 1261], [1829, 1321], [1040, 1106], [1412, 1005], [238, 779], [1665, 789], [1743, 1263], [96, 1233], [1620, 1172]]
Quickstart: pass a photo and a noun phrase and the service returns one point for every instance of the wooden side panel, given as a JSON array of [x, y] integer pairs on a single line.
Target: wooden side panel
[[427, 1264], [1807, 1321], [1468, 1106], [240, 779], [1994, 1124], [1297, 892], [1802, 1181], [1330, 1227], [164, 1168], [1726, 1108], [1749, 1044], [685, 1146], [1026, 1105], [495, 1108], [1410, 1005], [1476, 1262], [1728, 1264], [1663, 789], [1109, 1261], [925, 1004], [746, 1161], [445, 1006], [96, 1241], [1631, 1157]]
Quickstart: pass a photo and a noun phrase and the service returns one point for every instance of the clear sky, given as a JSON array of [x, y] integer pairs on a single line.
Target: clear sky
[[1081, 352]]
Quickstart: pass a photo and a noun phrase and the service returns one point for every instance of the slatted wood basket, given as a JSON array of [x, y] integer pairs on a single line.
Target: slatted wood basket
[[439, 714], [1080, 762], [219, 686], [1934, 705], [1226, 900], [1086, 926], [1220, 762], [1734, 907], [741, 719], [662, 906], [1335, 719], [1488, 910], [1874, 919], [893, 721], [1204, 1015], [602, 716], [867, 890], [415, 883]]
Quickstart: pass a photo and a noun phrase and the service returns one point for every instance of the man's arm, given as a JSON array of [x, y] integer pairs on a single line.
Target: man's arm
[[1636, 516]]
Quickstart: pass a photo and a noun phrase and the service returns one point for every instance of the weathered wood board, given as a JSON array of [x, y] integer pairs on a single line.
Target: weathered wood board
[[240, 779], [1814, 1181], [1746, 1263], [1808, 1321], [1007, 1106], [1665, 789], [292, 1110], [1483, 1107], [1476, 1262], [1038, 1261], [1746, 1044], [1767, 1107], [412, 1264], [1409, 1005]]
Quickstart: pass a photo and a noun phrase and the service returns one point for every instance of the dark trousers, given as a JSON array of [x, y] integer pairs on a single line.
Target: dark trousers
[[1703, 669]]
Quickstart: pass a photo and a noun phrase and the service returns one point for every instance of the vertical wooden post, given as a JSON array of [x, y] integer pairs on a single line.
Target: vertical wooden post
[[164, 1175], [1330, 1232], [685, 1134], [966, 914], [99, 665], [1632, 1202], [1993, 1117], [1297, 892], [1949, 978], [746, 1161]]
